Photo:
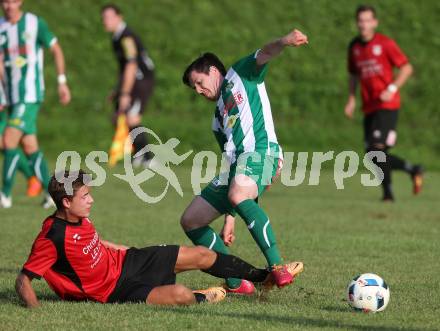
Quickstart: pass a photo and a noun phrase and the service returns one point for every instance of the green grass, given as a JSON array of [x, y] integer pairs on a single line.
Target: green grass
[[337, 233], [307, 86]]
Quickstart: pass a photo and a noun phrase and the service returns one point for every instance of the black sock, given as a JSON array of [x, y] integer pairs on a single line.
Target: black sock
[[200, 297], [386, 169], [230, 266], [399, 164], [140, 142], [386, 183]]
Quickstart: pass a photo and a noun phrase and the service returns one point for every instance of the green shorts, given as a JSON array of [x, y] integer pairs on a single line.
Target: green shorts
[[258, 166], [23, 116], [3, 121]]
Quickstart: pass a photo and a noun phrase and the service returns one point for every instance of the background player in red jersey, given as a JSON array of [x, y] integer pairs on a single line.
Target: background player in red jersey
[[77, 265], [371, 60]]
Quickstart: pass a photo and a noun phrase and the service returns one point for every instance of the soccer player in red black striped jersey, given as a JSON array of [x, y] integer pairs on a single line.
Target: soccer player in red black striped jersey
[[78, 265], [371, 60]]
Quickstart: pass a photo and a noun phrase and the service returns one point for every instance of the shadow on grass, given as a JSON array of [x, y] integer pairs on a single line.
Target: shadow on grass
[[9, 271], [336, 309], [290, 320], [9, 296]]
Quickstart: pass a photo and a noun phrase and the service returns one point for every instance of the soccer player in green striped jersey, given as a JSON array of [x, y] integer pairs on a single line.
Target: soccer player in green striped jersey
[[34, 186], [22, 39], [244, 129]]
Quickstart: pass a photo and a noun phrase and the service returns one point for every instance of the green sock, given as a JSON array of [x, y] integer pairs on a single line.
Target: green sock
[[39, 164], [12, 157], [24, 166], [206, 236], [259, 226]]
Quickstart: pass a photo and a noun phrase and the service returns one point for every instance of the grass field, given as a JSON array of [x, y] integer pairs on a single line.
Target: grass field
[[337, 234], [307, 86]]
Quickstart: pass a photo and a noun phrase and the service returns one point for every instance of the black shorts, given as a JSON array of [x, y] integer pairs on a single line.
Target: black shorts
[[380, 128], [143, 270], [140, 95]]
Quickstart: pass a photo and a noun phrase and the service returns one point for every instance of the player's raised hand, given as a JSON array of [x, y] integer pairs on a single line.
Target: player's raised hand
[[64, 94], [295, 38]]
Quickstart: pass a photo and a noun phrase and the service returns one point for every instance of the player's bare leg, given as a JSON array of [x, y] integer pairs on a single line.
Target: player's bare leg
[[194, 258], [217, 264], [198, 214], [178, 294], [171, 295], [201, 258]]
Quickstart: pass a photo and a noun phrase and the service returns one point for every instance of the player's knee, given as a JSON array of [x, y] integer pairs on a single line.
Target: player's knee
[[235, 198], [186, 221], [182, 295], [190, 221], [205, 257]]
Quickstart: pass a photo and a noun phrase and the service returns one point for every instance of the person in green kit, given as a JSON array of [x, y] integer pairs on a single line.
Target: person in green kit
[[244, 129], [34, 186], [22, 39]]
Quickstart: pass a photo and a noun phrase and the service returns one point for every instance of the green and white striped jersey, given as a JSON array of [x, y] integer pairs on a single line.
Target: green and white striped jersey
[[243, 118], [21, 45], [3, 101]]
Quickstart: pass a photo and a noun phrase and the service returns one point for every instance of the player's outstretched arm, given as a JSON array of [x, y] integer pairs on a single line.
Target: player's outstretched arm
[[294, 38], [24, 289], [63, 88]]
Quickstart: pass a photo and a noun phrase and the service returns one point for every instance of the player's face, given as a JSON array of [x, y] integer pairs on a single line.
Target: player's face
[[367, 24], [111, 20], [207, 85], [11, 7], [81, 203]]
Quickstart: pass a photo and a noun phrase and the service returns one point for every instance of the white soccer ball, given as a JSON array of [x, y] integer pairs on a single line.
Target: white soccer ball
[[368, 293]]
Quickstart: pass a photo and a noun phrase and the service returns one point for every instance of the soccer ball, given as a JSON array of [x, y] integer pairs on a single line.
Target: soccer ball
[[368, 293]]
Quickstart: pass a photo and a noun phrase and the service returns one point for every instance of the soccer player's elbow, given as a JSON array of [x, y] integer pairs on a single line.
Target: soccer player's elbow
[[408, 68]]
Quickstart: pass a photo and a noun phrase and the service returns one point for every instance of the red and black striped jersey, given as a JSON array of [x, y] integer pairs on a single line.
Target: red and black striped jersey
[[373, 62], [73, 261]]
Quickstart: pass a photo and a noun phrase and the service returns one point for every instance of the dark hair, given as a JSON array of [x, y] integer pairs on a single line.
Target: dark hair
[[202, 64], [364, 8], [74, 180], [113, 7]]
